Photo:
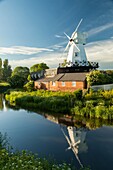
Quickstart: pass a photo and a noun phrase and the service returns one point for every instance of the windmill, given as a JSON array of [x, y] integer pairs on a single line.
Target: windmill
[[76, 139], [75, 46], [73, 145]]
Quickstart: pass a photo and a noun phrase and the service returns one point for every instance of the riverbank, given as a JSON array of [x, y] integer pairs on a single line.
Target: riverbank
[[91, 104], [26, 160]]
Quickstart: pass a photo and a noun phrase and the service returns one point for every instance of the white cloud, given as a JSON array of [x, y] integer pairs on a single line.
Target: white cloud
[[22, 50], [102, 52], [59, 36], [99, 29], [51, 59]]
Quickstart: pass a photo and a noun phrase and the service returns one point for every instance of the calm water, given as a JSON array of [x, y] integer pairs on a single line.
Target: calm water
[[80, 146]]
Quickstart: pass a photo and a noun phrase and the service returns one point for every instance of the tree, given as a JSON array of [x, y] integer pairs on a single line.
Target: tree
[[16, 81], [1, 70], [19, 70], [38, 67], [95, 77], [19, 77], [6, 70]]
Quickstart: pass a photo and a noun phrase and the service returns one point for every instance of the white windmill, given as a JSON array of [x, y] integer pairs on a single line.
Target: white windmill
[[75, 46], [76, 140]]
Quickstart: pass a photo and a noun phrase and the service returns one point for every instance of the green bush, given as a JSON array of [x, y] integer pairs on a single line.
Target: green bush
[[78, 94], [92, 104], [100, 111], [29, 86]]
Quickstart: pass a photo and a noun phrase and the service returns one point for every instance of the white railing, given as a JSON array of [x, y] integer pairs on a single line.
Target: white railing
[[102, 87]]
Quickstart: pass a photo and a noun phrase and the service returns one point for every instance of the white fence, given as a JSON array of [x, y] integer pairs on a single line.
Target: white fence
[[102, 87]]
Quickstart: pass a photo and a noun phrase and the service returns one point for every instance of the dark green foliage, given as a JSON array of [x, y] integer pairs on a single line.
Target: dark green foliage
[[21, 71], [78, 94], [16, 81], [5, 71], [19, 77], [29, 86], [38, 67], [50, 104]]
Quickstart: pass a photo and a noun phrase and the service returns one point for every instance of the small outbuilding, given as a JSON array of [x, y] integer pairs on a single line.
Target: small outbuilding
[[63, 82]]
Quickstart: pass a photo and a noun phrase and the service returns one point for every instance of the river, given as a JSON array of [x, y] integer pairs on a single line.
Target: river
[[59, 138]]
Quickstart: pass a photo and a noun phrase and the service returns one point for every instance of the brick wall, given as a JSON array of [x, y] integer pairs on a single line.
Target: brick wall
[[57, 86], [41, 85], [68, 86]]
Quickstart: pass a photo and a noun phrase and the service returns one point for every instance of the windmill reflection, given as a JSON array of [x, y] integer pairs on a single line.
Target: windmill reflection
[[75, 137], [76, 140]]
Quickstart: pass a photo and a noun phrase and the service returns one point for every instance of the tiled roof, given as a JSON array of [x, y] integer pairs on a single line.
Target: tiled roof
[[65, 77], [46, 79], [73, 77], [57, 77]]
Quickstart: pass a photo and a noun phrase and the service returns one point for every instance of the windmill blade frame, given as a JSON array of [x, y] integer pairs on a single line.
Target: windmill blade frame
[[76, 46], [73, 35], [67, 36], [67, 46]]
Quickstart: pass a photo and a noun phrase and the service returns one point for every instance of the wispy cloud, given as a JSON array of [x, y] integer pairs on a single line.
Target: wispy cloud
[[100, 29], [102, 52], [60, 36], [22, 50], [52, 60]]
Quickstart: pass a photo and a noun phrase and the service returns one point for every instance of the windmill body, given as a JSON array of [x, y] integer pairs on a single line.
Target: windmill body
[[75, 46], [76, 55], [76, 60]]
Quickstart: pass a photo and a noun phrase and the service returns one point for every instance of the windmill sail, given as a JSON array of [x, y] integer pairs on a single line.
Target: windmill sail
[[75, 46], [73, 145]]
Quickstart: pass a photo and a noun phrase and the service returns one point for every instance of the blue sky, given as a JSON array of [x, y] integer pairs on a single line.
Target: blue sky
[[32, 31]]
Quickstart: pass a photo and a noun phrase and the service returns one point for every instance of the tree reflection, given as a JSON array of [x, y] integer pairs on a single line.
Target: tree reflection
[[1, 101]]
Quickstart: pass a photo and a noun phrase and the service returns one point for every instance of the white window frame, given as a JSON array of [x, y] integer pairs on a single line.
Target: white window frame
[[63, 83], [73, 83], [53, 83]]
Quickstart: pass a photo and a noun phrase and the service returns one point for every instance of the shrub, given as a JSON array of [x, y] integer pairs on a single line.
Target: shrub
[[78, 94], [29, 86], [100, 111]]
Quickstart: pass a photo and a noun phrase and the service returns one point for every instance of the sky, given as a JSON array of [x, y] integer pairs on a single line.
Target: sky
[[32, 31]]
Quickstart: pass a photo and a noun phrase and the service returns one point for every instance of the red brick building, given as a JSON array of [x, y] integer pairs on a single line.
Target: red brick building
[[63, 82]]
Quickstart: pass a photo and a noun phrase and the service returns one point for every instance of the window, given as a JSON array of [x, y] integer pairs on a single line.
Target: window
[[39, 83], [73, 83], [63, 83], [53, 83], [76, 54]]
